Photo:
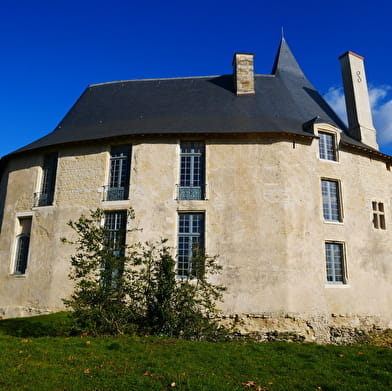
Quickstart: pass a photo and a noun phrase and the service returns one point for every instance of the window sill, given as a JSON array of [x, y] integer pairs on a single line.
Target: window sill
[[116, 202], [203, 200], [42, 206], [191, 205], [17, 275], [329, 161], [337, 285], [191, 280], [334, 222]]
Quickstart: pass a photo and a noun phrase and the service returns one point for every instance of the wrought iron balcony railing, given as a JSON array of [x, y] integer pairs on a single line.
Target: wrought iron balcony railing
[[111, 193], [191, 192], [43, 198]]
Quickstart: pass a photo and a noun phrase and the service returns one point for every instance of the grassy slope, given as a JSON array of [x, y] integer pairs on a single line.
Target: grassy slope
[[130, 363]]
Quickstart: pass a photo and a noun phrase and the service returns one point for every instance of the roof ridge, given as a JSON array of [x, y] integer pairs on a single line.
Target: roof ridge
[[169, 78], [156, 79]]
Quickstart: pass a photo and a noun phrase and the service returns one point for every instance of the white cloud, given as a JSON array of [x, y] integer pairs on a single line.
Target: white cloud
[[335, 97], [377, 94], [381, 104]]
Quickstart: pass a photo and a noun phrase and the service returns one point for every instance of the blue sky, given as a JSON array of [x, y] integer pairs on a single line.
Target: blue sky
[[51, 50]]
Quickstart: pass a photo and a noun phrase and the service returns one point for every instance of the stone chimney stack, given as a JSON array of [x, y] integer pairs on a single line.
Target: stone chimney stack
[[244, 81], [360, 122]]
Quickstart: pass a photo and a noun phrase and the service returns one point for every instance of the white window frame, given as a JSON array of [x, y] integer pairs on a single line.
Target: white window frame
[[335, 132], [18, 233], [194, 188], [327, 199], [17, 262], [109, 188], [378, 209], [327, 152], [47, 181], [200, 236], [331, 271], [113, 236]]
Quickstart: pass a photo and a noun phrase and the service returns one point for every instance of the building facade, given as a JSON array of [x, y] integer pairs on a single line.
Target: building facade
[[257, 169]]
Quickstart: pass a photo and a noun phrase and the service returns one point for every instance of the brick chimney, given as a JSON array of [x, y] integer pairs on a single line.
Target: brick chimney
[[243, 73], [360, 122]]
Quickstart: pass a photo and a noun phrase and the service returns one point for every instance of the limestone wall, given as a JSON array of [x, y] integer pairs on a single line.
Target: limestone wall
[[263, 217]]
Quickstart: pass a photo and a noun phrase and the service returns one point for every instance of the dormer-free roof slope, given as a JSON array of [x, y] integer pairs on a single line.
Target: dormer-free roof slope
[[282, 102]]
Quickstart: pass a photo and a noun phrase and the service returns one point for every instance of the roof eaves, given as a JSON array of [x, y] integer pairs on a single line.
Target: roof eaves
[[368, 150]]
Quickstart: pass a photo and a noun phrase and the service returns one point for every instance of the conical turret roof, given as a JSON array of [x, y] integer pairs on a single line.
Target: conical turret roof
[[285, 62]]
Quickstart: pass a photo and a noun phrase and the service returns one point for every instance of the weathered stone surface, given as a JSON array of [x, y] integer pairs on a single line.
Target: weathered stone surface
[[244, 73], [264, 219], [297, 328]]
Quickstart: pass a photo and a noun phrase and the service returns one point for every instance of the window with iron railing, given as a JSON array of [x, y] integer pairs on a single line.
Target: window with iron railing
[[118, 186], [192, 171]]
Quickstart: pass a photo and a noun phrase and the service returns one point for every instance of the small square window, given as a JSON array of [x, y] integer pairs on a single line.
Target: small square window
[[378, 215]]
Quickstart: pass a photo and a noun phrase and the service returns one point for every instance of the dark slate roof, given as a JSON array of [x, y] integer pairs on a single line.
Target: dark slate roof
[[282, 102]]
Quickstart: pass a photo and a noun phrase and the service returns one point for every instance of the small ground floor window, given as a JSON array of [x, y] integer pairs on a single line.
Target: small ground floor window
[[22, 245], [334, 255]]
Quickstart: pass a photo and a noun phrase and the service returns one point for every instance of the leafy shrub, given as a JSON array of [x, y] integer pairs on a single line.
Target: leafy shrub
[[122, 289]]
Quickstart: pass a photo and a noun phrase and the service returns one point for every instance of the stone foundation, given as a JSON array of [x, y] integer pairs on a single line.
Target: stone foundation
[[323, 329], [19, 312], [335, 329]]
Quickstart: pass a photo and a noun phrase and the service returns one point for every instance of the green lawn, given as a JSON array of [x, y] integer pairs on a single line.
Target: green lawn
[[131, 363]]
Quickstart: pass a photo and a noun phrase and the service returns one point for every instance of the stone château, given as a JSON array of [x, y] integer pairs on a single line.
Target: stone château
[[256, 168]]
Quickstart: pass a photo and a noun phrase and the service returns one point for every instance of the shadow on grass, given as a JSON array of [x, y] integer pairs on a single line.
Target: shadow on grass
[[52, 325]]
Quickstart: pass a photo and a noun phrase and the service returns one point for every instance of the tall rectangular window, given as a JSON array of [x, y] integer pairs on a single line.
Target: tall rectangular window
[[334, 255], [48, 182], [115, 225], [22, 245], [120, 160], [331, 200], [192, 171], [327, 146], [190, 243], [378, 215]]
